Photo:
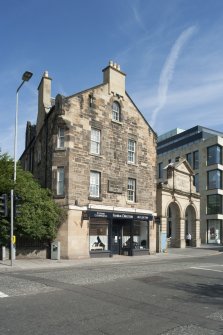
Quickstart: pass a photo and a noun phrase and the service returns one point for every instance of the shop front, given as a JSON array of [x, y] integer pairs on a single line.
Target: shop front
[[214, 232], [113, 233]]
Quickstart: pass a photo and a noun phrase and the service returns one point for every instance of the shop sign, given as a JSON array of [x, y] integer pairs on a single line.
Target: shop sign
[[115, 215], [144, 217], [122, 216]]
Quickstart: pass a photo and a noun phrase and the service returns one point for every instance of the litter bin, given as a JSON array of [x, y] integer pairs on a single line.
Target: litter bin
[[55, 250]]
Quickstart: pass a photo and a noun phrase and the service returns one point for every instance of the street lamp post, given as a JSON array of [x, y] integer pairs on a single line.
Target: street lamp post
[[26, 76]]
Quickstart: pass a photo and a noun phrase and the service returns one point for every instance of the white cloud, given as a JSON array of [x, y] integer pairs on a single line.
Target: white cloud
[[191, 97], [168, 70]]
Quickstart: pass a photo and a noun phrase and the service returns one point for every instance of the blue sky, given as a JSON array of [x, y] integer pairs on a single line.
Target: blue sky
[[171, 51]]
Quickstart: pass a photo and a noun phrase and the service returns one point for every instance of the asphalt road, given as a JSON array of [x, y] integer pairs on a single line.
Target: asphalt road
[[166, 296]]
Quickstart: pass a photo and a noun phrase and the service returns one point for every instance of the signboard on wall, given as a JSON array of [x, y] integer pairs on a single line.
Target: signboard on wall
[[115, 186], [116, 215]]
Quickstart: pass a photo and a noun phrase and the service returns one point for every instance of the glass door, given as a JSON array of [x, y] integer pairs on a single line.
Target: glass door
[[116, 243], [214, 231]]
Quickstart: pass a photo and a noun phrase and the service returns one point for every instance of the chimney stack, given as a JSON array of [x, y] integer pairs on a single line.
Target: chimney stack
[[114, 78], [44, 99]]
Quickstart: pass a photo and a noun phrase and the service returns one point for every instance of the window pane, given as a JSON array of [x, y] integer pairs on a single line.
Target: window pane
[[214, 179], [131, 189], [60, 181], [214, 204], [189, 158], [214, 231], [60, 139], [195, 159], [196, 182], [214, 154], [98, 235], [140, 234], [131, 151], [95, 141], [160, 170], [115, 111], [94, 184]]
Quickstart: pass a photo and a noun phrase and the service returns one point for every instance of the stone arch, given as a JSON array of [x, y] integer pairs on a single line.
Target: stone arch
[[173, 230], [191, 223]]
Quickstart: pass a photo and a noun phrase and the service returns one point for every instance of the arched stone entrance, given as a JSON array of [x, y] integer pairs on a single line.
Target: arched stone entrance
[[178, 207], [173, 224], [191, 225]]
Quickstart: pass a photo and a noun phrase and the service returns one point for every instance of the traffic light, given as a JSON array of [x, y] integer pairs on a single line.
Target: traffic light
[[17, 206], [3, 205]]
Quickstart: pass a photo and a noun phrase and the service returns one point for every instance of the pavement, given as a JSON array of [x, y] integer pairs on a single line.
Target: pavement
[[172, 253]]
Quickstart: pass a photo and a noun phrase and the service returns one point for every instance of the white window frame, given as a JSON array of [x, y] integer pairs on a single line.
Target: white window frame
[[95, 180], [60, 180], [131, 151], [60, 137], [116, 111], [131, 190], [95, 141]]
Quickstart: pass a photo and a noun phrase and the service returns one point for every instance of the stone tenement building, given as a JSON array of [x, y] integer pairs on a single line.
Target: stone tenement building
[[97, 153]]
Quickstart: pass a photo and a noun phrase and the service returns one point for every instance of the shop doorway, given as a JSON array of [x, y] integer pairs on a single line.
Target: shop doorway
[[116, 243], [122, 237], [129, 237]]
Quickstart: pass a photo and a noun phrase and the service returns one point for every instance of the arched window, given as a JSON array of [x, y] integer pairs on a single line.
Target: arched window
[[116, 111]]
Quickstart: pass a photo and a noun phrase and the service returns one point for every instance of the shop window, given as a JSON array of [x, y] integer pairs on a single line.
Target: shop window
[[140, 234], [95, 141], [214, 228], [137, 238], [214, 179], [214, 155], [98, 235], [214, 204]]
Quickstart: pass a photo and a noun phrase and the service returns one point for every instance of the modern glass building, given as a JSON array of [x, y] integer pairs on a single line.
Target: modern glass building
[[202, 147]]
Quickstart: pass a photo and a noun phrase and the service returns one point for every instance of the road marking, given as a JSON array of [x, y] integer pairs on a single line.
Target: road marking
[[3, 295], [206, 269]]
